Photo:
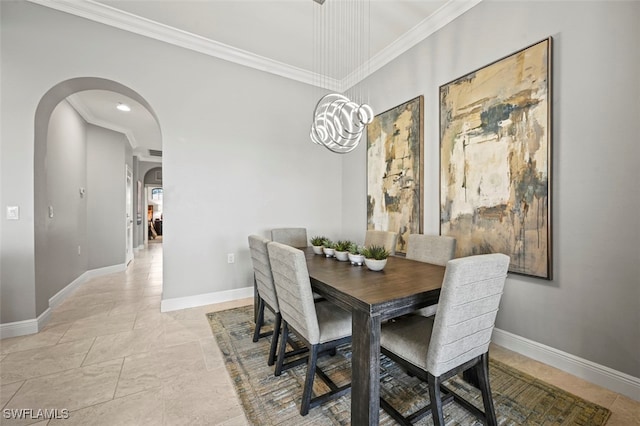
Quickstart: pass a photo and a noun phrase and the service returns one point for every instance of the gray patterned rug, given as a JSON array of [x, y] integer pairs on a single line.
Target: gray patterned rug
[[268, 400]]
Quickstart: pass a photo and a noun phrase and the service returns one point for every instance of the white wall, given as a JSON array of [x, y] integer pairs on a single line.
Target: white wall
[[591, 309], [237, 157]]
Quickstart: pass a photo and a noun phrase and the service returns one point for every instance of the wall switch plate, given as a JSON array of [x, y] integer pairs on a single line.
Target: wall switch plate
[[231, 258], [13, 213]]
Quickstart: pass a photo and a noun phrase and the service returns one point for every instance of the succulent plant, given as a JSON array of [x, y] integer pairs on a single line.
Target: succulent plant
[[318, 240], [375, 252], [342, 245], [355, 249], [327, 243]]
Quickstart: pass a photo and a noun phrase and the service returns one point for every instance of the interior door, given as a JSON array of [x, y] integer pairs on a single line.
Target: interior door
[[129, 217]]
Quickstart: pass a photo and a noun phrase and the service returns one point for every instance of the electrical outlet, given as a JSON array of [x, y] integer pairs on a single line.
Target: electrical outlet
[[231, 258]]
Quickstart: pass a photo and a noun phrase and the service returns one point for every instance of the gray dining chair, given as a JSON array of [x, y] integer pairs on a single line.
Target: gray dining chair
[[435, 249], [294, 237], [267, 297], [386, 239], [321, 326], [455, 340]]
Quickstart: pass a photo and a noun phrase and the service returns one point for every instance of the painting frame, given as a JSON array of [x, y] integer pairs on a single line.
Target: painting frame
[[395, 171], [495, 160]]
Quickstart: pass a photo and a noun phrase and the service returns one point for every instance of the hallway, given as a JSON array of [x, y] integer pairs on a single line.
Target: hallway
[[109, 356]]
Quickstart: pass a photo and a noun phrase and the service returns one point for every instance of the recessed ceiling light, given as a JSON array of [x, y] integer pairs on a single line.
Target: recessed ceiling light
[[123, 107]]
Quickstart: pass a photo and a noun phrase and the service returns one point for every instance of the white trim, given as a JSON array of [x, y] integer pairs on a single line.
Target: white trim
[[32, 326], [116, 18], [441, 17], [177, 303], [609, 378], [62, 295], [18, 328]]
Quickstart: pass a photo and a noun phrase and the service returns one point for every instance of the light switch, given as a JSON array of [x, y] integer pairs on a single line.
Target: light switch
[[50, 211], [13, 213]]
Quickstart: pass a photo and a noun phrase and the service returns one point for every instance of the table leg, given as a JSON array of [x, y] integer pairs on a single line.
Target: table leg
[[365, 369]]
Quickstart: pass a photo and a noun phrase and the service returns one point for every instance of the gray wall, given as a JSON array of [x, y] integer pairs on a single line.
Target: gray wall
[[230, 169], [591, 309], [61, 246], [106, 159]]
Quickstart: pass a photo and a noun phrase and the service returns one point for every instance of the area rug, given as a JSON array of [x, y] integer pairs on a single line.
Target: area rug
[[519, 399]]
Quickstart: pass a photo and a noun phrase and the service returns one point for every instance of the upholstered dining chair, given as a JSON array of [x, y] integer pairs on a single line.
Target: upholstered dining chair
[[455, 340], [294, 237], [435, 249], [386, 239], [321, 326], [266, 292], [267, 297]]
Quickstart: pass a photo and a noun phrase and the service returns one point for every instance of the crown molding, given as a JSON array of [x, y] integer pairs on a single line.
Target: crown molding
[[443, 16], [77, 104], [116, 18]]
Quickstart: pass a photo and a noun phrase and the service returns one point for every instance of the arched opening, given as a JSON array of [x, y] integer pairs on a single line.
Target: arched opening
[[85, 196]]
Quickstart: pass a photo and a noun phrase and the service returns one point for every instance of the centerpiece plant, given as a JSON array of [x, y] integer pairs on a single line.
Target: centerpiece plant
[[317, 242], [328, 248], [342, 250], [355, 254], [375, 257]]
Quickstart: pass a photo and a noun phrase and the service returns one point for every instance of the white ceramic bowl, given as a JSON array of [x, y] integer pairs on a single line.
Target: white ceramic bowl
[[317, 249], [356, 259], [329, 252], [375, 265], [342, 255]]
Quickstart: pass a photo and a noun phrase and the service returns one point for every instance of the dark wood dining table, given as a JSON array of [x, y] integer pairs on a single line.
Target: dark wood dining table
[[403, 286]]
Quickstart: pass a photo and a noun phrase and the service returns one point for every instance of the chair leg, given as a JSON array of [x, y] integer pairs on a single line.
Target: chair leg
[[259, 320], [283, 348], [308, 382], [436, 399], [482, 369], [274, 339]]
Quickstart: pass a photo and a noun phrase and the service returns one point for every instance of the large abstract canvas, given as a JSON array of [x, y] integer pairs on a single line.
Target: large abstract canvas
[[395, 170], [495, 161]]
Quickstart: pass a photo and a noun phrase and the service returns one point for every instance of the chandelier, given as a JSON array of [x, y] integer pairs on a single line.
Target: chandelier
[[339, 120]]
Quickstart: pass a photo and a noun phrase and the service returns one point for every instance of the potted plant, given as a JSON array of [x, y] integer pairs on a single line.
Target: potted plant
[[327, 248], [316, 243], [342, 250], [355, 254], [375, 257]]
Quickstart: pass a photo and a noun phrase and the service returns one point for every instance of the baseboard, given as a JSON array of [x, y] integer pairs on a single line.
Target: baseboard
[[32, 326], [60, 296], [177, 303], [600, 375]]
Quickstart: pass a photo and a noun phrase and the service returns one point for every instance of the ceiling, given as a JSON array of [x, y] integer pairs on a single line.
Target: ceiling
[[275, 36]]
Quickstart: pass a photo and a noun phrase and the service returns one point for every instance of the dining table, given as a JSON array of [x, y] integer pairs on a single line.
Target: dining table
[[372, 297]]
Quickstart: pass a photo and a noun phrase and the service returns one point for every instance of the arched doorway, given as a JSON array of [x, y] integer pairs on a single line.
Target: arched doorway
[[66, 226]]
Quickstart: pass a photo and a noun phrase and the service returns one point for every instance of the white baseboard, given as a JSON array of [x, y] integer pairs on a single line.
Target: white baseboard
[[606, 377], [18, 328], [177, 303], [62, 295], [32, 326]]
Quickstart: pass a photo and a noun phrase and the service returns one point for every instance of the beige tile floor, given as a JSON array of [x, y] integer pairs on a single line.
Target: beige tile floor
[[111, 358]]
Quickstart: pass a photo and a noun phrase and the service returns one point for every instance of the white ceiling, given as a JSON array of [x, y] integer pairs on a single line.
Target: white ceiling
[[276, 36]]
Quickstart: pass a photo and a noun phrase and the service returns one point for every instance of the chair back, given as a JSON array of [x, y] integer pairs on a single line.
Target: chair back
[[294, 237], [467, 308], [435, 249], [293, 286], [386, 239], [262, 271]]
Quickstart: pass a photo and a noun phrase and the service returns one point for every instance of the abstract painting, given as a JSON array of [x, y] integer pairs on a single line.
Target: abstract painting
[[495, 160], [395, 170]]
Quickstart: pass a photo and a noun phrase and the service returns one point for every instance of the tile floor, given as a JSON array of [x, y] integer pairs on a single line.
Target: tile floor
[[109, 357]]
